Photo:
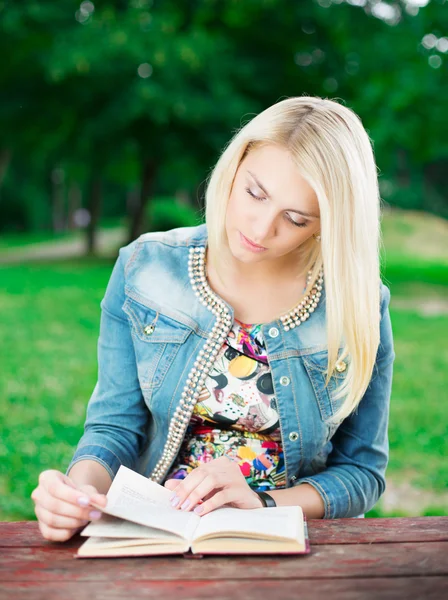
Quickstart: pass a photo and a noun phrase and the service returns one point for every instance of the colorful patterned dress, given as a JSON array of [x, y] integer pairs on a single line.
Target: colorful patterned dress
[[236, 414]]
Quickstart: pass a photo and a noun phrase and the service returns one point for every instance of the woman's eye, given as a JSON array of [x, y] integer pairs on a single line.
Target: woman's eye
[[291, 220], [287, 216], [248, 190]]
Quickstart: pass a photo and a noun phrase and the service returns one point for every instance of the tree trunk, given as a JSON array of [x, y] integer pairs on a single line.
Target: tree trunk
[[5, 159], [435, 181], [94, 207], [74, 199], [403, 173], [57, 200], [138, 215]]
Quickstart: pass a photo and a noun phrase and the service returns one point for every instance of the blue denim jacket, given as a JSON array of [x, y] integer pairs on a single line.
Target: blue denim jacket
[[152, 330]]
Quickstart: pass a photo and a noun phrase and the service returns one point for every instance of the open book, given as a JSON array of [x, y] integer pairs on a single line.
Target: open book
[[139, 520]]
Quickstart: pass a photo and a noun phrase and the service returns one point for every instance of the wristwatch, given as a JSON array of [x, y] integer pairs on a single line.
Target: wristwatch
[[267, 500]]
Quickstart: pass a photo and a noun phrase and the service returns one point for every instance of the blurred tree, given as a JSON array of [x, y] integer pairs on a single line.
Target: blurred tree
[[145, 94]]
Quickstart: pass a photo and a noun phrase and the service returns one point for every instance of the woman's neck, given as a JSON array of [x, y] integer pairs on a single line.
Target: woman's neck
[[279, 272]]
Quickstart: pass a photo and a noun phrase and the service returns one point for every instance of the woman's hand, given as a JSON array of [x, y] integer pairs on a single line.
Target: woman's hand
[[61, 507], [215, 484]]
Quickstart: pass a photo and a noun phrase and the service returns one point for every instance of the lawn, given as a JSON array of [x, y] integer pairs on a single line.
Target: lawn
[[49, 327]]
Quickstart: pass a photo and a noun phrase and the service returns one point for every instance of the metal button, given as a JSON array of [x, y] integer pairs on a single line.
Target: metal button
[[293, 478], [285, 380], [149, 329], [293, 436], [273, 332], [340, 366]]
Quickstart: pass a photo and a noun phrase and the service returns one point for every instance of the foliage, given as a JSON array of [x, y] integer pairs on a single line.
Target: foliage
[[145, 94], [167, 213]]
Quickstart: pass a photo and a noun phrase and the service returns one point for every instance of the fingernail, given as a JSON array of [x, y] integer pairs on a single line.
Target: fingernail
[[172, 497], [198, 509], [175, 501], [94, 514], [83, 501], [185, 505]]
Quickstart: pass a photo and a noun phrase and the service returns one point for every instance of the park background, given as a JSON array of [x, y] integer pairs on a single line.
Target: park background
[[113, 114]]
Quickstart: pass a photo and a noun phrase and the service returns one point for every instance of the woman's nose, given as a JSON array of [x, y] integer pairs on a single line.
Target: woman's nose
[[263, 231]]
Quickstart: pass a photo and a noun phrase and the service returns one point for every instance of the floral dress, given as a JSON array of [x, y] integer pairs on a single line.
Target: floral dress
[[236, 414]]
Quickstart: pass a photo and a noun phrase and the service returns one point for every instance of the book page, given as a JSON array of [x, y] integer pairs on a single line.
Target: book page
[[132, 489], [284, 522], [113, 527], [114, 547], [135, 498]]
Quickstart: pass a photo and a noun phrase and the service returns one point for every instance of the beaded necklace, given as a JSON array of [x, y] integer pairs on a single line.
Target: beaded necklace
[[295, 317], [207, 355]]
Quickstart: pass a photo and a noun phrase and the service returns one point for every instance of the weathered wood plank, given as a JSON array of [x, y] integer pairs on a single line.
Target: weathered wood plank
[[338, 531], [324, 562], [411, 588], [371, 531], [26, 534]]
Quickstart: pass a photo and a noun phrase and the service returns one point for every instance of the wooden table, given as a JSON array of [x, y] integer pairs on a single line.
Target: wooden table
[[350, 559]]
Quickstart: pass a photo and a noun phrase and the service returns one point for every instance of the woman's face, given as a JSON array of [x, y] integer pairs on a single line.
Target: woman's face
[[270, 205]]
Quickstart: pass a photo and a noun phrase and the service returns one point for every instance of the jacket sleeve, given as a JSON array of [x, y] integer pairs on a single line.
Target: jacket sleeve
[[117, 416], [354, 478]]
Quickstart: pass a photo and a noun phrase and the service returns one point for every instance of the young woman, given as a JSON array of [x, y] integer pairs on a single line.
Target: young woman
[[248, 361]]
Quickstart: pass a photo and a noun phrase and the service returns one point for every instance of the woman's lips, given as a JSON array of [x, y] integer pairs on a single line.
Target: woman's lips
[[250, 245]]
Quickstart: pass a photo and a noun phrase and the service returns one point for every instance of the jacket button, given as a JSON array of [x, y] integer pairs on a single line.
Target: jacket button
[[273, 332], [340, 366], [293, 436], [285, 380]]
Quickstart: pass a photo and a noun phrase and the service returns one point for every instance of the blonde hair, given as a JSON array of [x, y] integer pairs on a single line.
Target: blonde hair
[[333, 152]]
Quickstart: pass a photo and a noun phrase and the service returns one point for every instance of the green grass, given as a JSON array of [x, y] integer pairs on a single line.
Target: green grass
[[49, 328], [50, 321], [418, 436], [10, 241]]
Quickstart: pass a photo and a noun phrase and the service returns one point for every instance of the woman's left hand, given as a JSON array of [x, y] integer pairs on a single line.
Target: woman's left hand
[[212, 485]]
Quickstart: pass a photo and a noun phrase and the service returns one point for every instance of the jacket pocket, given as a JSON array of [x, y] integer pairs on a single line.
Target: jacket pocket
[[316, 367], [157, 339]]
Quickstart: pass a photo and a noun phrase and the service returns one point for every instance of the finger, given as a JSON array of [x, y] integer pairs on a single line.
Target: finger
[[93, 494], [90, 492], [171, 484], [206, 488], [58, 488], [56, 535], [216, 501], [187, 485], [61, 507], [55, 521]]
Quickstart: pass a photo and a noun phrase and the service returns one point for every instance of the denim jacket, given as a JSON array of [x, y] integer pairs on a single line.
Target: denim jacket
[[153, 332]]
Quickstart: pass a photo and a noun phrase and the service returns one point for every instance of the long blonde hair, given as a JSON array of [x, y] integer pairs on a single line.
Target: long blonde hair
[[333, 152]]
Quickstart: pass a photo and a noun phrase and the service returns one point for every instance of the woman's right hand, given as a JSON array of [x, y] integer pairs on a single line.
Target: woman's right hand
[[62, 507]]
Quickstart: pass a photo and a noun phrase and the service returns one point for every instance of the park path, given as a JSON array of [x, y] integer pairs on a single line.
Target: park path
[[108, 242]]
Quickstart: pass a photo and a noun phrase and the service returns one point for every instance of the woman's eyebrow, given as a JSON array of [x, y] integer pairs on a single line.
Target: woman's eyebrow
[[261, 186]]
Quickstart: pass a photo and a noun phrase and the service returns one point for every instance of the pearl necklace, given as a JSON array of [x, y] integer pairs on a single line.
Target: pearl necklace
[[202, 365], [295, 317], [207, 355], [308, 305]]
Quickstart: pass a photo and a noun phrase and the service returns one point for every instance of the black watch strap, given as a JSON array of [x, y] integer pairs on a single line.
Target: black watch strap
[[267, 500]]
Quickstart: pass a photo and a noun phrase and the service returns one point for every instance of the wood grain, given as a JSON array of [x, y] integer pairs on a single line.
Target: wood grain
[[397, 588], [375, 560], [350, 559], [337, 531]]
